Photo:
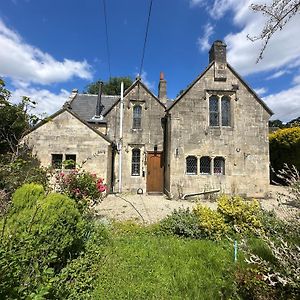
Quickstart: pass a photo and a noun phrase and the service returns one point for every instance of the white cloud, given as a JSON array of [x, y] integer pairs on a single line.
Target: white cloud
[[197, 3], [285, 104], [261, 91], [203, 42], [23, 62], [47, 102], [278, 74]]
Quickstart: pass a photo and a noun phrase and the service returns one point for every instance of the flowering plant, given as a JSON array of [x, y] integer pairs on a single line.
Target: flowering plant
[[85, 188]]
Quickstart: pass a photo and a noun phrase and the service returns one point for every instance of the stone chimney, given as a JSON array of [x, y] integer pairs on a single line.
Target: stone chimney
[[162, 89], [217, 54], [73, 94]]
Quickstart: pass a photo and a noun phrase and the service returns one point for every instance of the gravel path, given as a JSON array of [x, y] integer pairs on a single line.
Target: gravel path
[[152, 208]]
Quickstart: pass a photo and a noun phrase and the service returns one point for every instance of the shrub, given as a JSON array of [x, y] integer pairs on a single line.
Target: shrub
[[181, 222], [211, 223], [85, 188], [241, 215], [39, 236]]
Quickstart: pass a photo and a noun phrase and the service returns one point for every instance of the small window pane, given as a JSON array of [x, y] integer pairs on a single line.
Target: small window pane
[[137, 117], [136, 162], [191, 165], [225, 105], [219, 165], [57, 161], [205, 165], [70, 162], [213, 111]]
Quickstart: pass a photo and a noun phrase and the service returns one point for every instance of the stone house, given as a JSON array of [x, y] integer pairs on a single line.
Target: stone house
[[214, 135]]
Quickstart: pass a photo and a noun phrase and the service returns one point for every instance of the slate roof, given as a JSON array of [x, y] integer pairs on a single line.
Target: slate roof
[[84, 105]]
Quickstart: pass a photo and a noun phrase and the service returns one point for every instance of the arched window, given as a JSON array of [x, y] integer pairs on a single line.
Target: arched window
[[137, 117], [225, 108], [219, 165], [136, 162], [191, 165], [213, 111], [205, 162]]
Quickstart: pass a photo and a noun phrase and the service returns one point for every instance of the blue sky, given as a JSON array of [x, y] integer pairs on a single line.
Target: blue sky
[[50, 47]]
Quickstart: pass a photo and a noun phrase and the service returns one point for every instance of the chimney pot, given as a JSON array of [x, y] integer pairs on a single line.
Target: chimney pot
[[161, 76]]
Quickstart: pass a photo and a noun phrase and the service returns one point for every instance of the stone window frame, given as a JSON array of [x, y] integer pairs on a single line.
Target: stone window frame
[[137, 117], [187, 165], [136, 162], [62, 158], [220, 95], [212, 168]]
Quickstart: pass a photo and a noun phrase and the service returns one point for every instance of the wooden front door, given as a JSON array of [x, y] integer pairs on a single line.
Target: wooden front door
[[155, 172]]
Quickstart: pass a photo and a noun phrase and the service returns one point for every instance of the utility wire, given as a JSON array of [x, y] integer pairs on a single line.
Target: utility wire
[[106, 31], [146, 36]]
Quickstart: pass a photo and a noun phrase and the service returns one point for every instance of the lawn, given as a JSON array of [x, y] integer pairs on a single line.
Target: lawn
[[143, 265]]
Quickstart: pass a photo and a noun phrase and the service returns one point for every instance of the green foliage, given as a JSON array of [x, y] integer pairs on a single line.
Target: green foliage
[[211, 223], [151, 266], [15, 120], [112, 87], [17, 170], [85, 188], [285, 148], [241, 215], [39, 235], [181, 222]]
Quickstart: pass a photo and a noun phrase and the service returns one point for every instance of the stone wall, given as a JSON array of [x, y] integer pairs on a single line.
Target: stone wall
[[65, 134], [243, 145], [145, 138]]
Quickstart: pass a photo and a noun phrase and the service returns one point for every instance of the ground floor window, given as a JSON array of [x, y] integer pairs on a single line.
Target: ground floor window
[[66, 161], [136, 162], [208, 165]]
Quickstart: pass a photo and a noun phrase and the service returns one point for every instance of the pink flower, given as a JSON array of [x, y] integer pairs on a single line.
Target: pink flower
[[102, 188]]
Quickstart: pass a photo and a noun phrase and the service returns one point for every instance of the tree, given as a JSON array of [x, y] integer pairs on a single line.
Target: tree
[[15, 120], [279, 13], [111, 87], [276, 123]]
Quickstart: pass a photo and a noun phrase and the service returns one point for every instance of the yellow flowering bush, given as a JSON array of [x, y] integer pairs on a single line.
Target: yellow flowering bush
[[240, 214], [211, 223]]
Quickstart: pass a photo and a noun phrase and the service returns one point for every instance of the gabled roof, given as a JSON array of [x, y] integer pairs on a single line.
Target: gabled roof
[[46, 120], [135, 83], [264, 105]]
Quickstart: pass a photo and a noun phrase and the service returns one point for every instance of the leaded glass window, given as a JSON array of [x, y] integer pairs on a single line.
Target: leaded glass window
[[191, 165], [137, 117], [225, 111], [219, 165], [205, 165], [213, 111], [136, 162]]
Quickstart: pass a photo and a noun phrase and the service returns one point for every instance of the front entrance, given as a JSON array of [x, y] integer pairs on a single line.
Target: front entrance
[[155, 172]]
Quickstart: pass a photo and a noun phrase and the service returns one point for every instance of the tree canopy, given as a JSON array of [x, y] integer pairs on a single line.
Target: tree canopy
[[110, 87], [15, 120]]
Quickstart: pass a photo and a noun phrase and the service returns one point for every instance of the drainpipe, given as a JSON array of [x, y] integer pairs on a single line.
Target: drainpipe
[[120, 144]]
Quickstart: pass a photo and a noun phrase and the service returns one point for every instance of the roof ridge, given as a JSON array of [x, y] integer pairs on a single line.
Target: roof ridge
[[112, 96]]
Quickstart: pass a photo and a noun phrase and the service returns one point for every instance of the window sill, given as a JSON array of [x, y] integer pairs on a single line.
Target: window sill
[[136, 129]]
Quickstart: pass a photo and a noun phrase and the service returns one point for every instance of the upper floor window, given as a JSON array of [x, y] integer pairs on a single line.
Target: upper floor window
[[137, 117], [213, 111], [225, 110], [136, 162], [219, 165], [205, 162], [219, 110], [191, 165]]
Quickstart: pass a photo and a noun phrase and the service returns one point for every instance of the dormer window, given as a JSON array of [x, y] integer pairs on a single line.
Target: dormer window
[[137, 117]]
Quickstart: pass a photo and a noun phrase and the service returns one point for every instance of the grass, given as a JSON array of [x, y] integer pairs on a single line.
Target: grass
[[143, 265]]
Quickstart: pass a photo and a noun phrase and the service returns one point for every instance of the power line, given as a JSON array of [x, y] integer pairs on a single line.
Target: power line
[[146, 36], [106, 31]]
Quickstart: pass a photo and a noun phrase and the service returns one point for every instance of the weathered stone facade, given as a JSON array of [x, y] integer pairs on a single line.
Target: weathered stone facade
[[213, 136]]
